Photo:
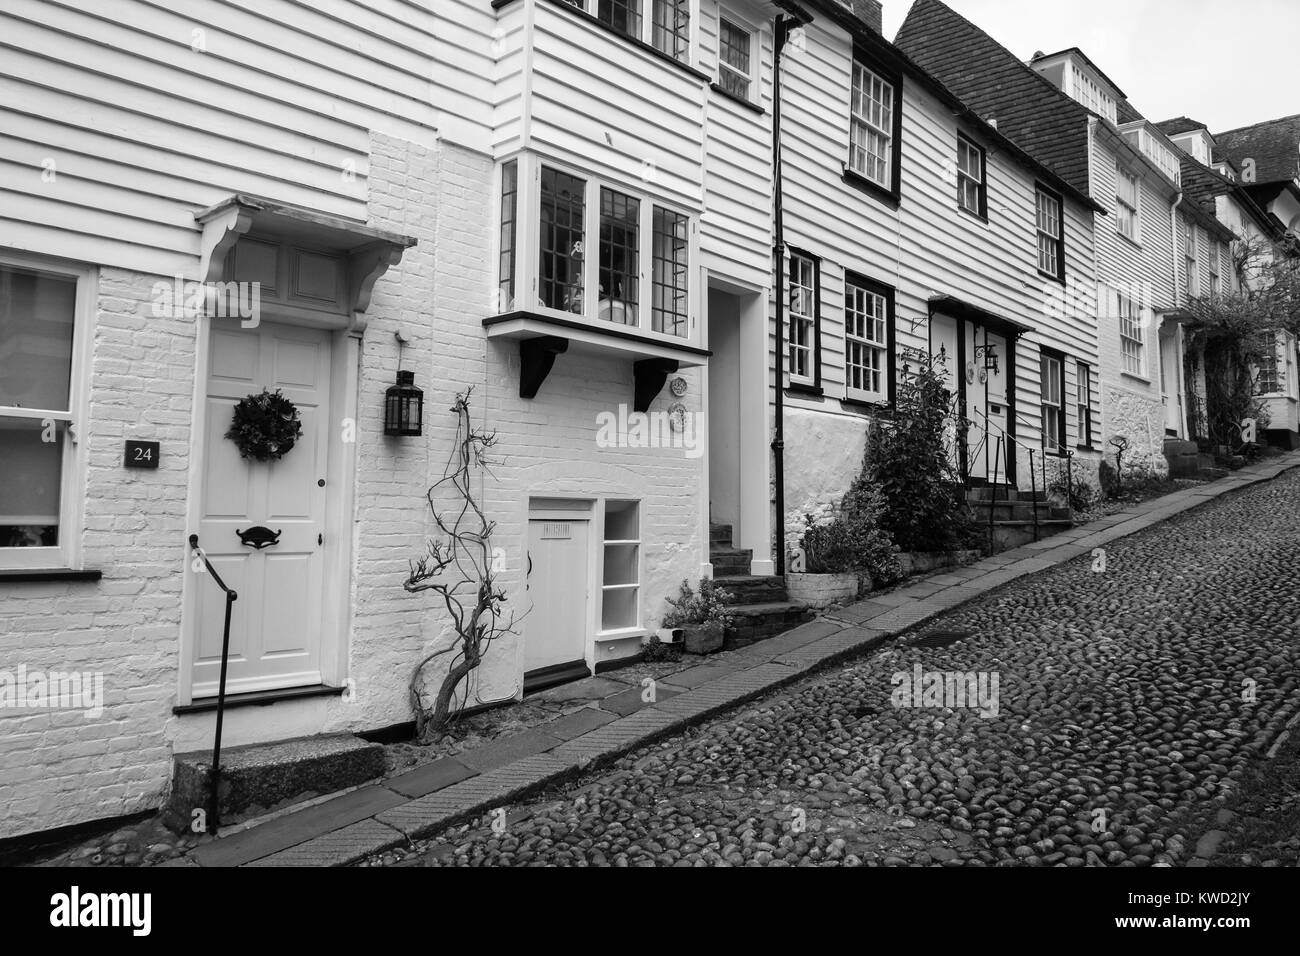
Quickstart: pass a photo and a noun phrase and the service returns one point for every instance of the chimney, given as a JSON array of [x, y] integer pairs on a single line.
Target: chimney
[[870, 12]]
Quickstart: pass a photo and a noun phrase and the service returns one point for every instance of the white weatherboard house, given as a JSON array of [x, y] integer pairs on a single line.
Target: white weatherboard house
[[915, 227], [547, 201], [1065, 111]]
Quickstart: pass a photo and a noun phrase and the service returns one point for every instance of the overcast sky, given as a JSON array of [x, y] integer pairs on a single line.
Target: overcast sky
[[1226, 63]]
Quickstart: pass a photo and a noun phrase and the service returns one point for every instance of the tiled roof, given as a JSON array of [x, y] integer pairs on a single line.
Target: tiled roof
[[989, 78], [1179, 125], [1203, 185], [1274, 146]]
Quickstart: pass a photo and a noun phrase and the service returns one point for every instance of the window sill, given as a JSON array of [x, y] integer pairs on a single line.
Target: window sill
[[861, 404], [1054, 277], [259, 698], [1135, 243], [739, 100], [871, 188], [971, 214], [1136, 378], [1087, 448], [23, 575], [634, 41], [804, 388]]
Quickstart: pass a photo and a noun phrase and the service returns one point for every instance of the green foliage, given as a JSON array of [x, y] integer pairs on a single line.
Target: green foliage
[[909, 461], [829, 548], [1077, 491], [706, 609], [657, 650], [1109, 480], [863, 510]]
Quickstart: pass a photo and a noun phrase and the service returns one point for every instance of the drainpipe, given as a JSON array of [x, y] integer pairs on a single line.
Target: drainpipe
[[1178, 331], [782, 32]]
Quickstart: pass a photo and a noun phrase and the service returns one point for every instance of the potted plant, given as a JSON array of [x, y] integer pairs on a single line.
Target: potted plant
[[702, 617], [829, 572]]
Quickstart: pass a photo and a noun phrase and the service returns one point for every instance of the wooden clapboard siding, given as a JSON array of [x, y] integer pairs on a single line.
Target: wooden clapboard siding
[[512, 47], [736, 227], [927, 246], [148, 111], [608, 107]]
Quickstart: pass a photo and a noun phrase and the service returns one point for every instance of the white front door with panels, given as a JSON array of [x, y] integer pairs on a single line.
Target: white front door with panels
[[275, 632], [1170, 391], [986, 402], [555, 631]]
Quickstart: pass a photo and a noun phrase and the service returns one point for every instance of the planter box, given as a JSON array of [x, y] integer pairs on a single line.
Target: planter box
[[822, 590], [698, 640]]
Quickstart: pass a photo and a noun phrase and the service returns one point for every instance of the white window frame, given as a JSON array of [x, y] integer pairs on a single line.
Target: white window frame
[[1190, 259], [1126, 212], [865, 78], [1053, 234], [527, 266], [646, 12], [1056, 381], [807, 320], [1083, 403], [725, 68], [1276, 373], [1216, 279], [1132, 336], [964, 175], [872, 322], [66, 555]]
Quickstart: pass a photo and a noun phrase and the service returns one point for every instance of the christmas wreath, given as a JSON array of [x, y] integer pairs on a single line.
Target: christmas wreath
[[265, 426]]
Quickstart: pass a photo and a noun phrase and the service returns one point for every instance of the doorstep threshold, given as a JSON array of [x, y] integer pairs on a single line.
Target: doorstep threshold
[[258, 698]]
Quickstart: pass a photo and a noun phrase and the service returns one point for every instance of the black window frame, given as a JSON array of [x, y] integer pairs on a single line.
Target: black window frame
[[815, 387], [889, 294], [1059, 276], [891, 196], [1062, 444], [971, 143]]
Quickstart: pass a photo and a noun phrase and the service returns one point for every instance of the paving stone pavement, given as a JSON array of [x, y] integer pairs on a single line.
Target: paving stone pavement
[[434, 797]]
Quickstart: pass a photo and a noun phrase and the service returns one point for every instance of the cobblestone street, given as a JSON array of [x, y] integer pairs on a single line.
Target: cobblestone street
[[1125, 698]]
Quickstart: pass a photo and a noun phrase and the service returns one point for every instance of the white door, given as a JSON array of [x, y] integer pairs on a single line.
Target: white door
[[1170, 392], [275, 631], [555, 631], [986, 403]]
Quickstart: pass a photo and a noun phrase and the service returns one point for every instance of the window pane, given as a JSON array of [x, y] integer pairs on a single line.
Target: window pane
[[672, 28], [620, 217], [562, 209], [623, 15], [506, 264], [669, 310], [734, 47], [31, 468], [36, 316]]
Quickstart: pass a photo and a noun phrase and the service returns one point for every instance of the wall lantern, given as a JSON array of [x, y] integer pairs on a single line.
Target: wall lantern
[[403, 406], [990, 357]]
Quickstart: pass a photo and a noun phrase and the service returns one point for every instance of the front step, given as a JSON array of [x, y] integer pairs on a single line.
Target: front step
[[257, 778], [720, 535], [754, 622], [983, 494], [1018, 511], [1014, 534], [731, 562], [751, 589], [1183, 458]]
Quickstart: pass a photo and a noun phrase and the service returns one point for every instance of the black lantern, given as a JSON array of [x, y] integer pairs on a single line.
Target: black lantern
[[403, 406]]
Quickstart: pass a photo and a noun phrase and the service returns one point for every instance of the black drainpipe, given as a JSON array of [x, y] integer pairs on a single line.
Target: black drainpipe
[[778, 256]]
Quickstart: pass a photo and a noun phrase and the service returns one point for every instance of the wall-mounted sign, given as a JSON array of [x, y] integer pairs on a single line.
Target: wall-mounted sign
[[141, 454]]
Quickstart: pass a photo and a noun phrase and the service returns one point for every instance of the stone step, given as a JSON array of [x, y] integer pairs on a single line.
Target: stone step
[[731, 562], [755, 622], [982, 495], [1018, 511], [258, 778], [753, 589], [720, 535]]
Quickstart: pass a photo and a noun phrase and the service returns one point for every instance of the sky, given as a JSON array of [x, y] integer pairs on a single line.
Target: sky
[[1225, 63]]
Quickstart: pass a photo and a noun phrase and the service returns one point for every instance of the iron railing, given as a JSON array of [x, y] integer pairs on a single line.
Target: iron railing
[[213, 821]]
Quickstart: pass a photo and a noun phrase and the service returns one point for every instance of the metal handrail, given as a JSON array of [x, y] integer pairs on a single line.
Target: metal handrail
[[231, 598]]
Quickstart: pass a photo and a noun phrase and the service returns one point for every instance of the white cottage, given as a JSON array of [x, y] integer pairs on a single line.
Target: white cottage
[[511, 197]]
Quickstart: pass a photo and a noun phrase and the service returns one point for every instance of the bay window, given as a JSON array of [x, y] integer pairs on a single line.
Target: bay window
[[594, 251], [42, 316]]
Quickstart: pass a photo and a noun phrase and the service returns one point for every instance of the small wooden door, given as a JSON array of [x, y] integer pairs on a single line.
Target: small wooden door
[[986, 403], [1170, 383], [275, 633], [556, 627]]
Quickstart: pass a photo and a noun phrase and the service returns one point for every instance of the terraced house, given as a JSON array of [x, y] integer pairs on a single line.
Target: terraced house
[[547, 201], [914, 226], [1069, 114]]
